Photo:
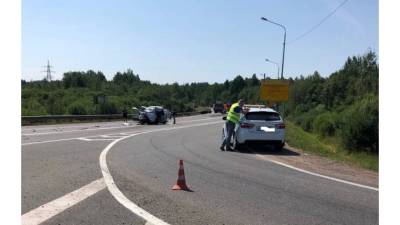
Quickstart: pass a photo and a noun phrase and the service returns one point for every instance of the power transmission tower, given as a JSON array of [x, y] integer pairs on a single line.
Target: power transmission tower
[[48, 71]]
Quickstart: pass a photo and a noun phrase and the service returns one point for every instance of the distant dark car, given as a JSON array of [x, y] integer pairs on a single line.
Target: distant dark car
[[218, 107]]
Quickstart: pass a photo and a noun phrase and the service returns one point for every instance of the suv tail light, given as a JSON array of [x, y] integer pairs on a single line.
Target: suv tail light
[[246, 125], [280, 126]]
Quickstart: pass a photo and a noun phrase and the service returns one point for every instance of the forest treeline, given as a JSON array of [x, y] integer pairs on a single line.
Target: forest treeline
[[343, 105]]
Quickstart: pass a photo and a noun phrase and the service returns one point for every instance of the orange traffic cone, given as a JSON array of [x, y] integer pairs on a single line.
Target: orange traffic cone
[[181, 182]]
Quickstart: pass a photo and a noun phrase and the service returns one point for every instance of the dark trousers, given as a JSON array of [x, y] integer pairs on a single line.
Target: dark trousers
[[230, 127]]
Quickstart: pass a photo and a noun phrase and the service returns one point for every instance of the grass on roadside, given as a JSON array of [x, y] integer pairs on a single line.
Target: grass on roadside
[[329, 147]]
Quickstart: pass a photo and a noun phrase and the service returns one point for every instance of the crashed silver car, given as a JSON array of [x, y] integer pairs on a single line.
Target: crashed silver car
[[153, 114]]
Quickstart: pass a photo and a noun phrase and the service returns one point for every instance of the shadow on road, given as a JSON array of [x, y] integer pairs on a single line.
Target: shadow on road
[[266, 150]]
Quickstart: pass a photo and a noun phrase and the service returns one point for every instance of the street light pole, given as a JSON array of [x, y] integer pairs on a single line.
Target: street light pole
[[284, 42], [267, 60], [283, 54]]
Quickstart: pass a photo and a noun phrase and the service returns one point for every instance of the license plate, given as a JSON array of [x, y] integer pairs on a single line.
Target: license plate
[[267, 129]]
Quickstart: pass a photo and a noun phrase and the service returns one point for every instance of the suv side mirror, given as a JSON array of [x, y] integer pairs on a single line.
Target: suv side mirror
[[224, 118]]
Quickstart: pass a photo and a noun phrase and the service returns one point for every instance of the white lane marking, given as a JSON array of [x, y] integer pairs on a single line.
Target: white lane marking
[[102, 128], [70, 131], [41, 142], [50, 209], [97, 139], [113, 136], [112, 187], [59, 126], [84, 139], [69, 139], [87, 137], [317, 174]]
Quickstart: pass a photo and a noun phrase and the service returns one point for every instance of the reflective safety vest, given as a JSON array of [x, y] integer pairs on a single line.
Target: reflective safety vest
[[232, 115]]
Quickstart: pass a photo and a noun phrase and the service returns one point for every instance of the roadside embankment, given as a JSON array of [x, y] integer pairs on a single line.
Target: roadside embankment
[[307, 142]]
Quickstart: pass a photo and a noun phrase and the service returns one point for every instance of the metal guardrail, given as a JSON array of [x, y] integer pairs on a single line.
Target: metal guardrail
[[32, 120]]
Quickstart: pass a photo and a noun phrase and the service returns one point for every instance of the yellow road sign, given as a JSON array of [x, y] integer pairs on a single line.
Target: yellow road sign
[[274, 90]]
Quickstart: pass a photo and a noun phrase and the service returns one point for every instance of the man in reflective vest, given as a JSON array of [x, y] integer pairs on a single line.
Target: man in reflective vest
[[231, 120]]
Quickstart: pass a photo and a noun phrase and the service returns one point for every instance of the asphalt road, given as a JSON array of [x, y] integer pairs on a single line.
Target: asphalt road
[[65, 182]]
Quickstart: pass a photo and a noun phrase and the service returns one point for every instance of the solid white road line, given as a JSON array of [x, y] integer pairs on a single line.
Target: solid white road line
[[118, 195], [41, 142], [316, 174], [69, 139], [50, 209], [60, 126], [97, 139], [87, 137], [70, 131], [113, 136]]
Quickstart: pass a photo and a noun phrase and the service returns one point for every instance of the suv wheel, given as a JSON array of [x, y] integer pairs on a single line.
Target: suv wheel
[[279, 146]]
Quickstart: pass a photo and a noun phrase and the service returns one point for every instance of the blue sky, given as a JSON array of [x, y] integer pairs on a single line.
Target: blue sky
[[193, 41]]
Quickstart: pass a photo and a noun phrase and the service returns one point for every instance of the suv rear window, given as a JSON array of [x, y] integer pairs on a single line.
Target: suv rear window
[[266, 116]]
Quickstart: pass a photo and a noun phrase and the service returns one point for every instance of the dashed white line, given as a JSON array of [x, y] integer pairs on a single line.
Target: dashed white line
[[50, 209]]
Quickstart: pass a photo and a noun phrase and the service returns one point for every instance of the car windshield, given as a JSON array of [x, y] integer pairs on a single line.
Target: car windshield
[[266, 116]]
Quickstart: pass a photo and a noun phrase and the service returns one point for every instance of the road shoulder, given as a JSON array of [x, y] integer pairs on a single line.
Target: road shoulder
[[322, 165]]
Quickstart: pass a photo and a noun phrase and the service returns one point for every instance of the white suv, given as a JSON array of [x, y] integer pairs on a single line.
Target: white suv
[[263, 125]]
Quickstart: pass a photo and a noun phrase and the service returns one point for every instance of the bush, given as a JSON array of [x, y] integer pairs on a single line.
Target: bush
[[306, 120], [108, 108], [77, 108], [32, 107], [324, 124], [301, 108], [360, 126]]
